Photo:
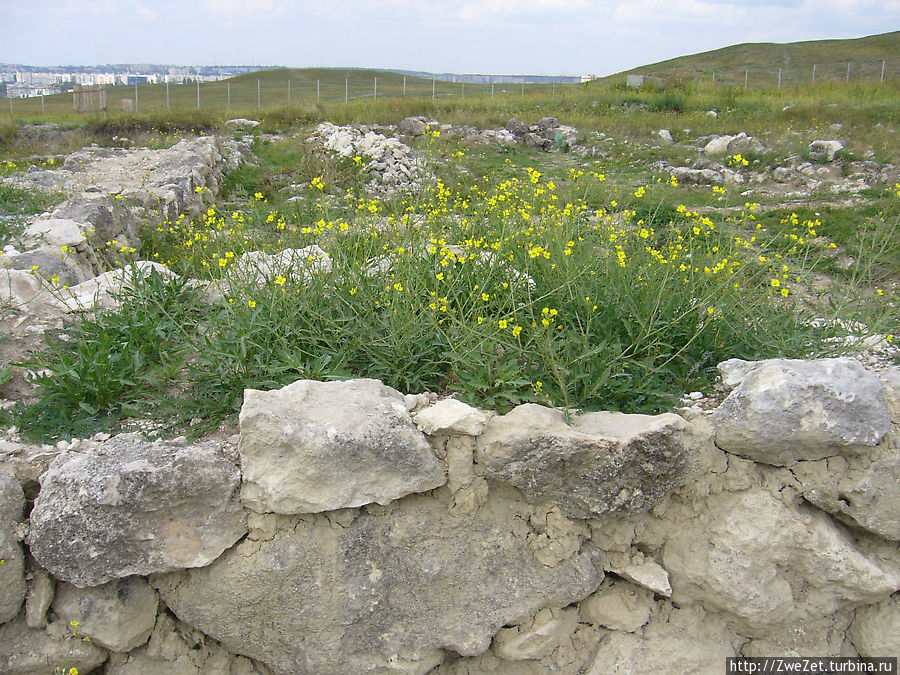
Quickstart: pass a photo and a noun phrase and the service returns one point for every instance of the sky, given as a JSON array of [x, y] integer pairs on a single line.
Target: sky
[[535, 37]]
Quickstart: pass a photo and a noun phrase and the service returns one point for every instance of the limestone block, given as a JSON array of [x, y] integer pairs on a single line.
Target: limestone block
[[603, 462], [118, 615], [12, 558], [450, 416], [786, 410], [387, 593], [296, 264], [335, 445], [134, 507], [767, 565], [876, 629], [40, 594]]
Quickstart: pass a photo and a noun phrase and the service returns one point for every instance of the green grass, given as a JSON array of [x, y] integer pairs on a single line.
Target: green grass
[[514, 276], [795, 59]]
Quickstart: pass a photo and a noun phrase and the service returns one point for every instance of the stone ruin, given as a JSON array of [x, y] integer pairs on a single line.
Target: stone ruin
[[348, 528]]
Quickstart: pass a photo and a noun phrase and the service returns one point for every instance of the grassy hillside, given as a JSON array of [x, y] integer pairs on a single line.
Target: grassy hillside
[[796, 59], [276, 88]]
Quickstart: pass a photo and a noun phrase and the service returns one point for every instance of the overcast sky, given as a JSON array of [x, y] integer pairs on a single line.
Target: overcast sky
[[549, 37]]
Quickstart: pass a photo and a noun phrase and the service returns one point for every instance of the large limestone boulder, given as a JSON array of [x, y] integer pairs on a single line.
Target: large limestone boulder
[[118, 615], [319, 446], [678, 641], [785, 410], [876, 629], [129, 506], [12, 558], [385, 592], [26, 651], [767, 565], [603, 462]]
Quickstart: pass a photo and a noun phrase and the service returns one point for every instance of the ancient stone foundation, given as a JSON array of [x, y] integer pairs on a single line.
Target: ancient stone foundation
[[349, 528]]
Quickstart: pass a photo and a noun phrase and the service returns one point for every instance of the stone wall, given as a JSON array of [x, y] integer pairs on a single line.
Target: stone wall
[[349, 528], [111, 193]]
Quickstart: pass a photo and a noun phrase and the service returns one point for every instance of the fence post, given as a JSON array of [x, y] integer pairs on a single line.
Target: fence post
[[814, 74], [848, 71], [746, 78], [167, 94], [779, 78], [346, 90], [258, 98], [882, 72], [714, 77], [135, 99], [375, 91]]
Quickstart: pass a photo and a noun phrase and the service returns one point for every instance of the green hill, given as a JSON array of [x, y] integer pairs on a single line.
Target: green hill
[[761, 62]]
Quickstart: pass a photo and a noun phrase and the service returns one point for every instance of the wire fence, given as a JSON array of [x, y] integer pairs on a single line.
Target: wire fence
[[271, 92], [248, 94], [790, 74]]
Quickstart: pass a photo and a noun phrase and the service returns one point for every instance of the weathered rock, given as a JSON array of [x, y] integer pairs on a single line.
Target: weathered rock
[[688, 176], [26, 651], [786, 410], [336, 445], [133, 507], [685, 641], [57, 232], [537, 638], [665, 136], [718, 146], [642, 571], [826, 150], [767, 565], [604, 462], [12, 558], [876, 629], [107, 289], [516, 127], [176, 649], [450, 416], [742, 144], [296, 264], [617, 605], [242, 124], [41, 590], [118, 615], [859, 489], [412, 126], [385, 593]]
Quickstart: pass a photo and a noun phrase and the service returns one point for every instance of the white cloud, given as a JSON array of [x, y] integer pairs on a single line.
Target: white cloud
[[233, 10]]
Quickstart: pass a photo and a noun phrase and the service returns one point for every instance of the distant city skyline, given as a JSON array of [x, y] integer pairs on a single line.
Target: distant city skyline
[[540, 37]]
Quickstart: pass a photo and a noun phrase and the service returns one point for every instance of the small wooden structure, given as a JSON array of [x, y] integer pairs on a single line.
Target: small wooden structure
[[89, 99]]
